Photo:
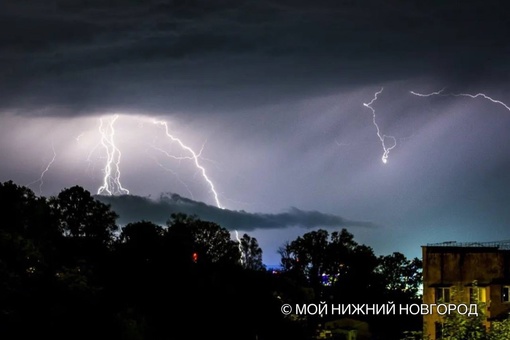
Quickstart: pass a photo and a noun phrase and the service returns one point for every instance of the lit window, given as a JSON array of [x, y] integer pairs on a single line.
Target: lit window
[[477, 294], [505, 294], [443, 294]]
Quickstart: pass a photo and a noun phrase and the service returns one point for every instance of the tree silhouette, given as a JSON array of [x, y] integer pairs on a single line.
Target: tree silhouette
[[80, 215], [329, 260], [28, 238], [207, 242], [66, 270], [140, 248], [252, 253], [144, 236], [339, 270], [400, 277]]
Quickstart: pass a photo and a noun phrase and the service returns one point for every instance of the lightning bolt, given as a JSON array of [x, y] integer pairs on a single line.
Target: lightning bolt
[[429, 94], [482, 95], [239, 246], [382, 138], [41, 178], [195, 158], [111, 181]]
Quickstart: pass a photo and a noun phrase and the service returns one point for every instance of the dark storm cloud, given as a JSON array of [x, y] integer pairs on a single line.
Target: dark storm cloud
[[134, 208], [91, 55]]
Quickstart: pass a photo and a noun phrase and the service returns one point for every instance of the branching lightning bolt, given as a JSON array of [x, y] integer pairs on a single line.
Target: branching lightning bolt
[[40, 179], [440, 93], [111, 181], [240, 247], [382, 138], [195, 157]]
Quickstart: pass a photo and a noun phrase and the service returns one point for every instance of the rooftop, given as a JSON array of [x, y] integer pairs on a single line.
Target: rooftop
[[505, 245]]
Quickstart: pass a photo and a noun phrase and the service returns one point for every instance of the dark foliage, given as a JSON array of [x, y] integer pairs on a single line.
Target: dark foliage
[[67, 271]]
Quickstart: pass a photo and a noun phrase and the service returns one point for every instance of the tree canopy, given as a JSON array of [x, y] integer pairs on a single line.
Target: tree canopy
[[337, 269], [68, 270]]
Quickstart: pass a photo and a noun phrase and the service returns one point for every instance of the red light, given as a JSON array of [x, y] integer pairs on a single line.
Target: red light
[[195, 257]]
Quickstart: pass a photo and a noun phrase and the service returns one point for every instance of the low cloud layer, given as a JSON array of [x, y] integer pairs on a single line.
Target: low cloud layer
[[133, 208]]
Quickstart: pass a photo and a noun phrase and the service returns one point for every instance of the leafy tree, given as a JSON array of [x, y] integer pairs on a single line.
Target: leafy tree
[[306, 255], [36, 288], [143, 235], [84, 255], [24, 230], [140, 244], [204, 241], [499, 330], [458, 326], [339, 253], [331, 260], [26, 214], [290, 263], [358, 281], [64, 272], [27, 250], [340, 270], [251, 253], [400, 277], [82, 216]]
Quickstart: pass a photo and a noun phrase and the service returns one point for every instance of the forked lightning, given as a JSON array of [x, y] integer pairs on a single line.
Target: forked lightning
[[441, 93], [381, 137], [195, 157], [111, 180], [41, 178]]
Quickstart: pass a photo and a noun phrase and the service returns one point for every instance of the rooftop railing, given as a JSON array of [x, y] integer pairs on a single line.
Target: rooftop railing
[[505, 245]]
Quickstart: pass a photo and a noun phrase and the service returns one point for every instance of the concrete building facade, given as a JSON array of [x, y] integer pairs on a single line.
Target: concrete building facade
[[456, 272]]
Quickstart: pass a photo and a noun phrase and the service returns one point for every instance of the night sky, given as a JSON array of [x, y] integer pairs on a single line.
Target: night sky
[[270, 97]]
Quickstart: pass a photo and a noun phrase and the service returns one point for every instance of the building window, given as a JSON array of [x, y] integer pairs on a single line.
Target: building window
[[477, 294], [443, 294], [505, 294], [438, 331]]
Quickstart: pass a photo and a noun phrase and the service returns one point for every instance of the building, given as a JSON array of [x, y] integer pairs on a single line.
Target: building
[[344, 329], [464, 273]]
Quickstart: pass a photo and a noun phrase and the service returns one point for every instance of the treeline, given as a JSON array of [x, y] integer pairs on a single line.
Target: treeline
[[68, 271]]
